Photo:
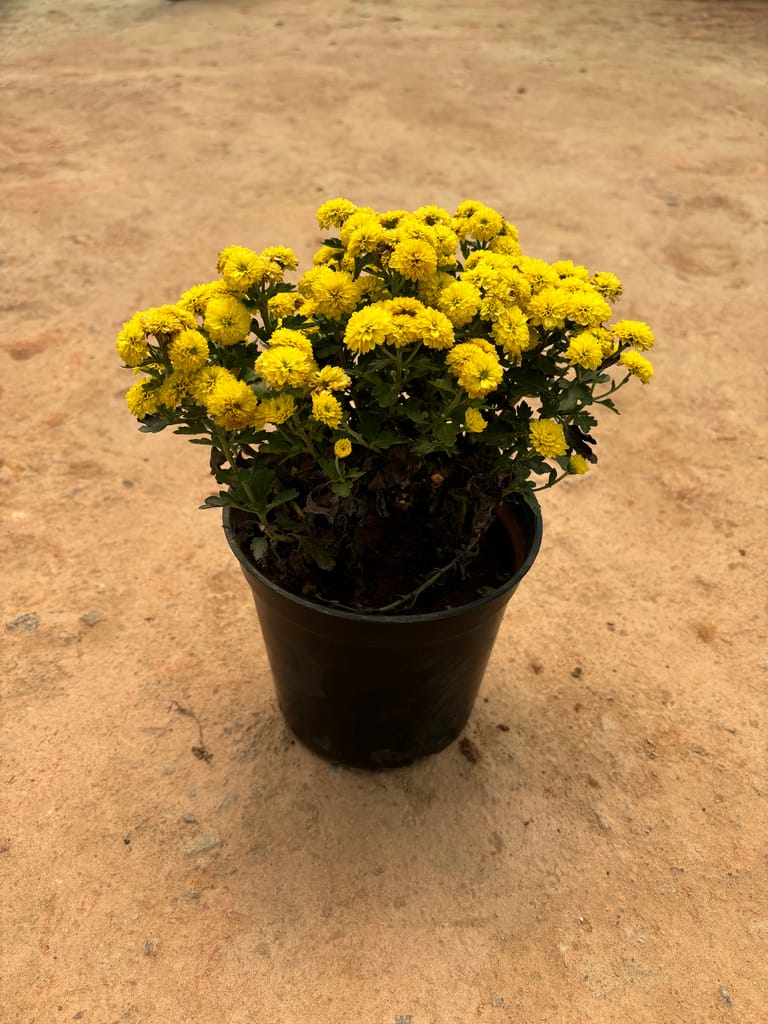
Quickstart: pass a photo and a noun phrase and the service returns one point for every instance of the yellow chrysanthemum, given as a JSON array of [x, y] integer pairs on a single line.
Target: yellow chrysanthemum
[[363, 215], [227, 320], [585, 350], [166, 319], [367, 328], [547, 438], [538, 272], [474, 421], [637, 365], [284, 257], [511, 332], [232, 405], [548, 308], [342, 448], [433, 215], [484, 224], [283, 366], [284, 336], [334, 212], [327, 255], [195, 299], [460, 353], [276, 409], [173, 390], [414, 258], [334, 293], [404, 311], [202, 383], [366, 239], [460, 302], [326, 409], [446, 242], [240, 267], [131, 343], [587, 307], [578, 465], [506, 245], [567, 268], [634, 333], [141, 401], [283, 304], [330, 378], [607, 284], [480, 374], [188, 351], [433, 328]]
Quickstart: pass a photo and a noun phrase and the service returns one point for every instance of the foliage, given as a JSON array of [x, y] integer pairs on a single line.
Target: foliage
[[423, 369]]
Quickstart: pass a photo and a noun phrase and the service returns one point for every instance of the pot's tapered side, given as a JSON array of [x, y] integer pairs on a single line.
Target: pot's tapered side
[[379, 691]]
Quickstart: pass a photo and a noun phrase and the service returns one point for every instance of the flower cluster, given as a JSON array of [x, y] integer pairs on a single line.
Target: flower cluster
[[420, 346]]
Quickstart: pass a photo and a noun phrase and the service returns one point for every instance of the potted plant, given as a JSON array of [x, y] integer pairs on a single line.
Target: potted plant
[[379, 428]]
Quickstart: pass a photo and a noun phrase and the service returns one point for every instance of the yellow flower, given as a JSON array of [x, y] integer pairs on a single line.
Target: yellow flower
[[460, 302], [434, 328], [283, 304], [538, 272], [362, 215], [366, 239], [173, 390], [227, 320], [446, 241], [585, 350], [480, 374], [141, 402], [547, 438], [548, 308], [586, 307], [276, 409], [512, 333], [195, 299], [334, 212], [334, 293], [165, 319], [188, 351], [285, 337], [283, 366], [342, 448], [506, 245], [433, 215], [637, 365], [326, 255], [232, 404], [607, 284], [367, 328], [578, 465], [634, 333], [414, 258], [331, 378], [240, 267], [202, 383], [131, 344], [484, 224], [284, 257], [474, 421], [567, 268], [460, 353], [326, 409]]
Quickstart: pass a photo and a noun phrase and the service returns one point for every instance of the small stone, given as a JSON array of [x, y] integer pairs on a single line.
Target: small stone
[[168, 769], [497, 999], [204, 843], [576, 672], [91, 618], [404, 1018], [228, 801], [191, 895], [189, 819], [26, 623], [150, 948], [725, 995]]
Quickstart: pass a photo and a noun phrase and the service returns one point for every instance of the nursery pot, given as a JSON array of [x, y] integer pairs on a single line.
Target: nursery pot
[[379, 691]]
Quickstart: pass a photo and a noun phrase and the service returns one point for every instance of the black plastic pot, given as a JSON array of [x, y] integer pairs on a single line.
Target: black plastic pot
[[380, 691]]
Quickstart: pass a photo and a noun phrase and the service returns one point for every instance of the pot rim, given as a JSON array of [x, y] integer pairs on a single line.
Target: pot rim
[[353, 616]]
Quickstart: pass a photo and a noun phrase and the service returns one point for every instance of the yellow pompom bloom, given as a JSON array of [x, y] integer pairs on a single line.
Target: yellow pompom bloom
[[327, 255], [538, 272], [334, 212], [330, 378], [334, 293], [326, 409], [283, 366], [433, 328], [363, 215], [196, 298], [240, 267], [548, 308], [506, 245], [484, 224], [284, 257], [276, 410], [141, 401], [366, 239], [634, 333], [283, 304], [414, 258], [342, 448], [460, 353], [173, 390], [607, 284], [586, 307], [480, 374], [512, 333], [284, 336], [547, 438], [188, 351], [460, 302], [637, 365], [232, 405], [578, 465], [166, 320], [202, 383], [131, 343], [227, 320], [584, 350], [367, 328], [433, 215], [404, 311], [474, 421], [567, 268]]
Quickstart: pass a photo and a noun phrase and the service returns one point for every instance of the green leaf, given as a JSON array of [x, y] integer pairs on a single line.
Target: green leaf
[[259, 547], [446, 433], [282, 497]]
